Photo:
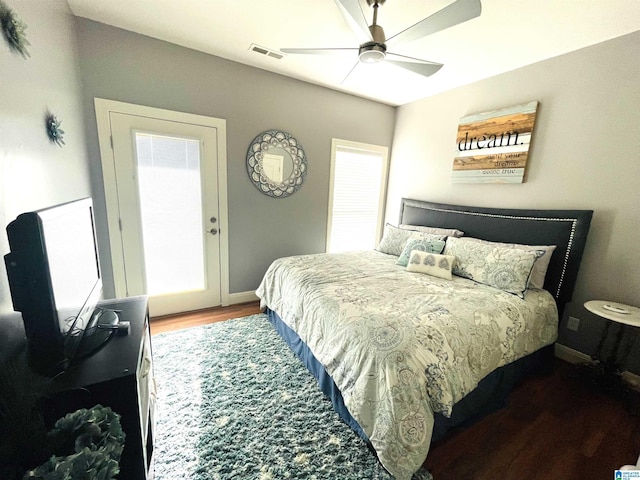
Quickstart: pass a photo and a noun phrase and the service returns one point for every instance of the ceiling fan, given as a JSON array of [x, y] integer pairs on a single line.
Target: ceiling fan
[[375, 48]]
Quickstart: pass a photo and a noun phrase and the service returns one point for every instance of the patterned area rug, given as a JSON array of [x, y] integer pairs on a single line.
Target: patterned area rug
[[235, 403]]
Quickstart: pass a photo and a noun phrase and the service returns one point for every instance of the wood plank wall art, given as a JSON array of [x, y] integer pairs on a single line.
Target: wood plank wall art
[[493, 147]]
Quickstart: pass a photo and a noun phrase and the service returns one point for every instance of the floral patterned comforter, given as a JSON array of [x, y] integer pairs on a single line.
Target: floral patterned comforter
[[402, 345]]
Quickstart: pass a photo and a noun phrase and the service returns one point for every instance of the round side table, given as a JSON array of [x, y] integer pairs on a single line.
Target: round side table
[[624, 315], [608, 374], [617, 312]]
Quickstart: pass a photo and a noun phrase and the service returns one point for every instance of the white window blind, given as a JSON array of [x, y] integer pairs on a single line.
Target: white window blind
[[358, 180]]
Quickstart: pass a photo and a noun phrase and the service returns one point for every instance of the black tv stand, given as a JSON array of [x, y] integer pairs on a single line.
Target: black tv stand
[[119, 374], [98, 331]]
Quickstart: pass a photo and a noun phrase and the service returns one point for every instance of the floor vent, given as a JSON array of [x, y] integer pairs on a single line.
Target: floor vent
[[266, 51]]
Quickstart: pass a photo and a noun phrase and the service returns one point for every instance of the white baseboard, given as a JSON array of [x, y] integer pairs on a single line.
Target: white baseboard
[[242, 297], [574, 356], [570, 355]]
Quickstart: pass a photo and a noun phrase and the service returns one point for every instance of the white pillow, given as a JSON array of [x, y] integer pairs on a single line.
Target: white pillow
[[505, 268], [431, 263], [449, 232]]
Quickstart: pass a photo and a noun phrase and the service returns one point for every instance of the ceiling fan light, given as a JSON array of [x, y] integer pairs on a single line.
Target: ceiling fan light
[[372, 53]]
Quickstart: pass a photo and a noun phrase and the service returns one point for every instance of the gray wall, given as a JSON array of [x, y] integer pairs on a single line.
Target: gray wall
[[35, 173], [120, 65], [585, 153]]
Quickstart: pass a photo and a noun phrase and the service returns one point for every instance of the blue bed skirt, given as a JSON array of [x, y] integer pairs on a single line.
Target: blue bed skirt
[[490, 394], [325, 382]]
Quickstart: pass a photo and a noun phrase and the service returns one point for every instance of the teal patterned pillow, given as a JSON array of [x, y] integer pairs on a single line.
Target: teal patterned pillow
[[505, 268], [423, 244], [394, 239], [431, 264], [536, 280]]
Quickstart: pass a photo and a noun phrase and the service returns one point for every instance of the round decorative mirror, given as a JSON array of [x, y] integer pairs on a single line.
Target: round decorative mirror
[[276, 163]]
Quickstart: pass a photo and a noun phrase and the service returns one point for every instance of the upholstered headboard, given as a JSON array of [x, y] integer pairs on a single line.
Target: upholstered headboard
[[567, 229]]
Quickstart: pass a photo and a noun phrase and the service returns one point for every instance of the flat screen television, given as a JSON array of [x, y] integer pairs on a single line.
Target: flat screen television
[[54, 279]]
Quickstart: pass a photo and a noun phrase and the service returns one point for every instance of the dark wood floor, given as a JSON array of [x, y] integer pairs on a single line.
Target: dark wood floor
[[554, 426]]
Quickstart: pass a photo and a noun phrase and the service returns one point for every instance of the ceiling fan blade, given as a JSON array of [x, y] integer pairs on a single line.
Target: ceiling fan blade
[[458, 12], [352, 13], [318, 51], [421, 67], [350, 72]]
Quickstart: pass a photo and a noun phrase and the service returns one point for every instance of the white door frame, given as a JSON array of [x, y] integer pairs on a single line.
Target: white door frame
[[103, 109]]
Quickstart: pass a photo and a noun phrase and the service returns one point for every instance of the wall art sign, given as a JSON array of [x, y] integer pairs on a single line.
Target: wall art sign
[[493, 147]]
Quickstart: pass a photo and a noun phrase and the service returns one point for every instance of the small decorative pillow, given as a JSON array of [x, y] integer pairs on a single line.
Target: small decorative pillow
[[422, 244], [394, 239], [505, 268], [431, 263], [448, 232]]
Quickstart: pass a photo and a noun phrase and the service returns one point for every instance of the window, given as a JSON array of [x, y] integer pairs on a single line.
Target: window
[[356, 196]]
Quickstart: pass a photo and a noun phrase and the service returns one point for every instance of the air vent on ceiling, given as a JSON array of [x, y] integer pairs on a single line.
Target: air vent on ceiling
[[265, 51]]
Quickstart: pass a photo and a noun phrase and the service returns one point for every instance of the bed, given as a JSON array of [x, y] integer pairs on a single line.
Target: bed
[[406, 355]]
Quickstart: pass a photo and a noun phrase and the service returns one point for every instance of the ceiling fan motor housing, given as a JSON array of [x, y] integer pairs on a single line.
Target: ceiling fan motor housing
[[375, 51], [372, 52], [377, 34]]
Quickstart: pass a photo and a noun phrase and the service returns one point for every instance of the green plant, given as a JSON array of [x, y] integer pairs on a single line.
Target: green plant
[[83, 445], [97, 439], [13, 30]]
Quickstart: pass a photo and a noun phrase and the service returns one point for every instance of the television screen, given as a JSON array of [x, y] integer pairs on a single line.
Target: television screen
[[73, 265], [54, 278]]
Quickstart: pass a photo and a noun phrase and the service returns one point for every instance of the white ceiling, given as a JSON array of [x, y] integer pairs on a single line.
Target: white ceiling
[[508, 34]]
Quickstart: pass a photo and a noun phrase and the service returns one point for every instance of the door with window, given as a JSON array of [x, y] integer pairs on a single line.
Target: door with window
[[163, 187], [356, 197]]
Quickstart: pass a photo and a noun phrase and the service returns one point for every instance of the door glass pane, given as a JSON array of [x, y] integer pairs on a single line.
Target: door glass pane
[[169, 186]]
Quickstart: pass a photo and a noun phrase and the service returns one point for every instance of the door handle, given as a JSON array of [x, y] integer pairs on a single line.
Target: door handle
[[213, 231], [213, 219]]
